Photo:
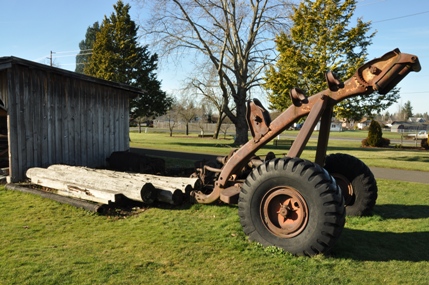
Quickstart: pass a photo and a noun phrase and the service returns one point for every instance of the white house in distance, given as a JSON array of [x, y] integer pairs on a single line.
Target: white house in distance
[[335, 127], [363, 124]]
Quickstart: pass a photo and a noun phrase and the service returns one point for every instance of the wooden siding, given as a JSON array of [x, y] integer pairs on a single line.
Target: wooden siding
[[3, 88], [54, 118]]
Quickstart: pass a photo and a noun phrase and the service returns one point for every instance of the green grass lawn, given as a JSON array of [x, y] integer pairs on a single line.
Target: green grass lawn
[[410, 159], [44, 242]]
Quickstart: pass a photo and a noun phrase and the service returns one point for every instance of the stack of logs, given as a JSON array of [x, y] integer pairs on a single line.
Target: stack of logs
[[105, 186]]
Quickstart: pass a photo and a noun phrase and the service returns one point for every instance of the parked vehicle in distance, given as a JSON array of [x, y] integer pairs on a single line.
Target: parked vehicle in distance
[[420, 135]]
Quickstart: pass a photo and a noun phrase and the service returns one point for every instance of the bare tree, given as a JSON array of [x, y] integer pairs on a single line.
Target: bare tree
[[172, 117], [205, 85], [187, 110], [224, 129], [202, 115], [234, 36]]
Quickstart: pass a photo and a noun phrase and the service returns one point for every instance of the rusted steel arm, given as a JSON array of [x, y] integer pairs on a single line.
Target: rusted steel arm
[[381, 75]]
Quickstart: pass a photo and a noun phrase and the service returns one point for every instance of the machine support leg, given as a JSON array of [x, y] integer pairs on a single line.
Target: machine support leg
[[307, 129], [322, 141]]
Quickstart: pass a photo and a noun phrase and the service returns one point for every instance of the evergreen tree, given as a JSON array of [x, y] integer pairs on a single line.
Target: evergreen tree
[[117, 56], [407, 110], [320, 40], [86, 47], [375, 134]]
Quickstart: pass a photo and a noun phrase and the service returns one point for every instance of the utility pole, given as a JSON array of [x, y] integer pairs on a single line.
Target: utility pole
[[50, 58]]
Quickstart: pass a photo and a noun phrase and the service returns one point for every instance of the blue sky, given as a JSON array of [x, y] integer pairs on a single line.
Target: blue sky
[[31, 29]]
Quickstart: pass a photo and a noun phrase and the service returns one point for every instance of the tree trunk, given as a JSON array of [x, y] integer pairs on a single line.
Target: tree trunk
[[241, 128], [218, 125]]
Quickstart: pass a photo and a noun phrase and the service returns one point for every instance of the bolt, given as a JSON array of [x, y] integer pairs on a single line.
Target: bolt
[[374, 70], [282, 211]]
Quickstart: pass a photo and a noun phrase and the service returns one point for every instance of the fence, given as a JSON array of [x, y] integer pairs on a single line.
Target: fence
[[197, 127]]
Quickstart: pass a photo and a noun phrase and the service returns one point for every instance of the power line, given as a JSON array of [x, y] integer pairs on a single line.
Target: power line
[[400, 17], [70, 55], [75, 51]]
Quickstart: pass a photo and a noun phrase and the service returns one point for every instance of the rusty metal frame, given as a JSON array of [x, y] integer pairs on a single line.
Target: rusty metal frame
[[380, 74]]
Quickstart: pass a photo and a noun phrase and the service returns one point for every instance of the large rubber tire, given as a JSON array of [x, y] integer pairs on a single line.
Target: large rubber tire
[[293, 204], [356, 181]]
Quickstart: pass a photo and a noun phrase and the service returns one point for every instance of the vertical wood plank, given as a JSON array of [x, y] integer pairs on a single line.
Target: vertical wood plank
[[50, 120], [65, 117], [20, 104], [4, 88], [83, 106], [110, 128], [123, 124], [98, 126], [58, 120], [78, 93], [44, 123], [89, 125], [117, 127], [36, 120], [72, 121], [27, 104], [12, 125]]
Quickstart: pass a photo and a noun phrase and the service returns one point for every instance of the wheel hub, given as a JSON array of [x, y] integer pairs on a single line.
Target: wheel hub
[[346, 188], [284, 212]]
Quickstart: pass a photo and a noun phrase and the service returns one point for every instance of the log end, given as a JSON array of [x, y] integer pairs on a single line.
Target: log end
[[148, 193]]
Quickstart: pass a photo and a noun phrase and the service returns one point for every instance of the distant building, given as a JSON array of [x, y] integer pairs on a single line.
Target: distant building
[[416, 120], [363, 124], [407, 126], [335, 126]]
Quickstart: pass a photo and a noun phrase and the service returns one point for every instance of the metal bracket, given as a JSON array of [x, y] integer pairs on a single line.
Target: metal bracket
[[258, 119]]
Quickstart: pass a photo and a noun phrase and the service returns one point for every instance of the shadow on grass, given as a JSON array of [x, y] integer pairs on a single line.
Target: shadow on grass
[[386, 246], [126, 208], [365, 149], [330, 148], [202, 144], [411, 158], [382, 246], [394, 211]]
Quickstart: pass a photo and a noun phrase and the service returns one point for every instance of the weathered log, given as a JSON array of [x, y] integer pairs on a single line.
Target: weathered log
[[102, 186], [92, 185], [184, 184], [171, 197], [68, 189]]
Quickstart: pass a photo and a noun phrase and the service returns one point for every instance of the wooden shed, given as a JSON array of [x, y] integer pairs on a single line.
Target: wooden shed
[[50, 115]]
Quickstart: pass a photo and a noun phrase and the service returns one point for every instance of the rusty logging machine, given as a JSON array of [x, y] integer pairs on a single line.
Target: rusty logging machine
[[292, 203]]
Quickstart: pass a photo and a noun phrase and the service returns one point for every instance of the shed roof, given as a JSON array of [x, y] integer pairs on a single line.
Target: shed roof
[[9, 61]]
